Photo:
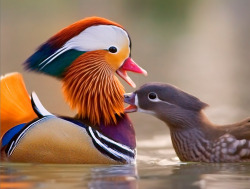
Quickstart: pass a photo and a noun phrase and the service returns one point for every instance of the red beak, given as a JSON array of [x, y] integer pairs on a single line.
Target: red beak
[[130, 65]]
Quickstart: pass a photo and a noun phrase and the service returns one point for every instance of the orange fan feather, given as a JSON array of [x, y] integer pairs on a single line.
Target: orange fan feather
[[15, 102]]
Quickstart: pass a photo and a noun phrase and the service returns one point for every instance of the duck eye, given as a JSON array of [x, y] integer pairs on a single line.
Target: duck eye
[[112, 49], [152, 95]]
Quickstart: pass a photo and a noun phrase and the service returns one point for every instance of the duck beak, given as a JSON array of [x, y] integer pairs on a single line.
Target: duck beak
[[129, 98], [130, 65]]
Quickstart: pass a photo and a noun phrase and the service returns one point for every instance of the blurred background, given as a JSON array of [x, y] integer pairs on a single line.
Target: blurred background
[[203, 47]]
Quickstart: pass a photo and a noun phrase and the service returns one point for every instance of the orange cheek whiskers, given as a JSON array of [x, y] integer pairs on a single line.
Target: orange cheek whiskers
[[91, 87]]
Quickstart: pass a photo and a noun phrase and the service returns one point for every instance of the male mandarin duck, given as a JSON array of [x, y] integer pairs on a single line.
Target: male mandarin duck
[[85, 56], [193, 136]]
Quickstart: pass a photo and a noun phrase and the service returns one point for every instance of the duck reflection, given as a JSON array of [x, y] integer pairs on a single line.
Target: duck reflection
[[117, 176], [14, 175], [196, 175]]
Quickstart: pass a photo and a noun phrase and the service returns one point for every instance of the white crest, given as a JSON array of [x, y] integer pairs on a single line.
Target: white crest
[[98, 38]]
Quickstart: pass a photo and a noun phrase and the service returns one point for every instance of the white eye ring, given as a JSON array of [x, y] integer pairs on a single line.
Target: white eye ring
[[152, 96]]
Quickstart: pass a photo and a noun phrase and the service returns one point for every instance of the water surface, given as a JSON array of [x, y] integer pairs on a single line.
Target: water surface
[[157, 167]]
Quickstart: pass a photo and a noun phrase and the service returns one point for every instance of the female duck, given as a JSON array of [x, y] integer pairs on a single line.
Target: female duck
[[193, 136]]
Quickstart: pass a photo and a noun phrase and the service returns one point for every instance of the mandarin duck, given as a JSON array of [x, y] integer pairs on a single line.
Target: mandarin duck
[[85, 56], [193, 136]]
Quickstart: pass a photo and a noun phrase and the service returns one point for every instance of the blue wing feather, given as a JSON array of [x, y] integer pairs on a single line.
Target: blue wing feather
[[11, 133]]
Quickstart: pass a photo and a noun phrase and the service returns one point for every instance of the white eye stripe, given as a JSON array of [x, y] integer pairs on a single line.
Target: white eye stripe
[[156, 99], [152, 96], [99, 37], [139, 109]]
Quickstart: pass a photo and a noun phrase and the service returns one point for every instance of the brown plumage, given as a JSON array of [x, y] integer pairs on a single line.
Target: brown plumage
[[193, 136]]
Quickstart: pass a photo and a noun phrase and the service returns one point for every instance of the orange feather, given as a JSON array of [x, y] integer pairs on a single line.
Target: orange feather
[[15, 102], [93, 89]]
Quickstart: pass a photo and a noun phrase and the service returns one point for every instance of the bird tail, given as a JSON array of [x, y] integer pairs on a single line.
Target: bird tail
[[16, 107]]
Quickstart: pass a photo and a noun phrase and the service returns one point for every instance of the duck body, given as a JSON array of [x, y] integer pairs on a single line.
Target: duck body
[[216, 145], [193, 136], [53, 139], [85, 57]]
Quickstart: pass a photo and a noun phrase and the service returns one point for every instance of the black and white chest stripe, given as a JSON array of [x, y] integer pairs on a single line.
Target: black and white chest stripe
[[111, 148], [106, 146]]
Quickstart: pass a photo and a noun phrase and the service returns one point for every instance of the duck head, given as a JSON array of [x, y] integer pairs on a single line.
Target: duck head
[[85, 56], [164, 101]]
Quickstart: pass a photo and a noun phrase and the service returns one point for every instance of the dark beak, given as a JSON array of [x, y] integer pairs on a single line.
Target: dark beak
[[129, 98]]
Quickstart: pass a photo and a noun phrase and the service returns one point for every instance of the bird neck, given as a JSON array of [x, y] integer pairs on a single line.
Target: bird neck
[[91, 87], [194, 139]]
